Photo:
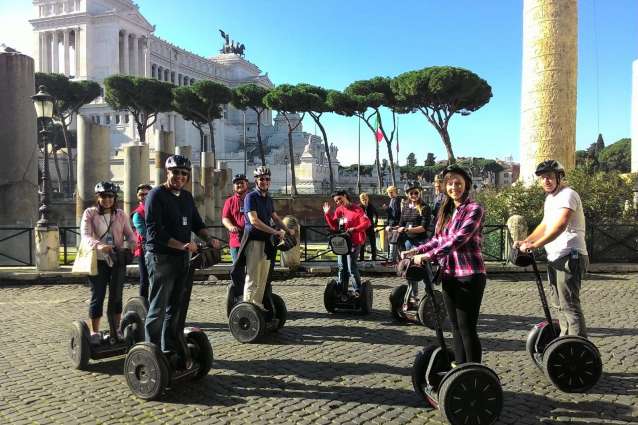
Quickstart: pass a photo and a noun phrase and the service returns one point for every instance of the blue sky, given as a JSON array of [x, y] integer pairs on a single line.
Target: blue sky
[[333, 43]]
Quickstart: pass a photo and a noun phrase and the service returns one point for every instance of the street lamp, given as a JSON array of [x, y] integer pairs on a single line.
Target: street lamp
[[286, 171], [43, 103]]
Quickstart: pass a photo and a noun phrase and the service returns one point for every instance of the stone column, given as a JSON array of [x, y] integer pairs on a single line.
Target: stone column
[[145, 172], [46, 55], [37, 51], [133, 162], [634, 118], [165, 147], [67, 65], [135, 65], [93, 161], [125, 53], [19, 159], [147, 56], [207, 170], [548, 98], [56, 52]]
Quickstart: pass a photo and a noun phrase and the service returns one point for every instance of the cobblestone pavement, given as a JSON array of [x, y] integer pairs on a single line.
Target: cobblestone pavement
[[319, 369]]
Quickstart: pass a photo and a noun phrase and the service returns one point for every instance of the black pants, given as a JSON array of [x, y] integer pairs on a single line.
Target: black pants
[[371, 238], [143, 276], [111, 277], [463, 303]]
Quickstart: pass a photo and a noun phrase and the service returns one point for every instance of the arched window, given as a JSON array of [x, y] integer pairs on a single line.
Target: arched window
[[153, 71], [166, 75]]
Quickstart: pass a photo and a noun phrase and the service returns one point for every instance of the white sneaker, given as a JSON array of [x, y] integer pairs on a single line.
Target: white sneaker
[[95, 338]]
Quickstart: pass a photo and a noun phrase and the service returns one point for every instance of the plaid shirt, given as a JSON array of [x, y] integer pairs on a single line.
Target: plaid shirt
[[457, 247]]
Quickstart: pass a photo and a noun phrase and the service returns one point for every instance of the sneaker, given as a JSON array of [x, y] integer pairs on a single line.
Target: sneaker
[[405, 307], [454, 364], [95, 339], [120, 335]]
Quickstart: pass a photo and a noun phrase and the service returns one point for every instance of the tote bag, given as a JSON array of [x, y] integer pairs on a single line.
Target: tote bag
[[86, 260]]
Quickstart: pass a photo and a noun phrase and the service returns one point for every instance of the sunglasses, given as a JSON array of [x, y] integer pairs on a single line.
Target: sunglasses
[[264, 179], [181, 173], [415, 193]]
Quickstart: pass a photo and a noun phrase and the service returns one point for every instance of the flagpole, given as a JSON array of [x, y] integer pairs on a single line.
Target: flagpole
[[359, 159]]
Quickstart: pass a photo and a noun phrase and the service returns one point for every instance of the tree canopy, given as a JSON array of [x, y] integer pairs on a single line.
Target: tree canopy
[[212, 95], [251, 96], [144, 98], [439, 92]]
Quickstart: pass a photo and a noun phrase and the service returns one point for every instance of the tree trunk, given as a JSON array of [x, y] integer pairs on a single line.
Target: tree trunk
[[57, 169], [69, 152], [327, 149], [378, 168], [141, 132], [445, 136], [262, 155], [212, 142], [391, 159], [293, 180]]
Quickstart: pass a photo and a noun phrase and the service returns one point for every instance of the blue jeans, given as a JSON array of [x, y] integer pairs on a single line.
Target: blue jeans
[[234, 252], [167, 275], [350, 268], [143, 276]]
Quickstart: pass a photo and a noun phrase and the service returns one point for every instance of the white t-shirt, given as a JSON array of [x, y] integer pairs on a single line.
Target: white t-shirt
[[574, 235]]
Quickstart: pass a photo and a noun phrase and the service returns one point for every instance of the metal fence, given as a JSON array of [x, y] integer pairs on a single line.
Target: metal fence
[[614, 243]]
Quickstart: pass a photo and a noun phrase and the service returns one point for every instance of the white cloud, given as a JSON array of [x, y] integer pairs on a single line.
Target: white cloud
[[15, 29]]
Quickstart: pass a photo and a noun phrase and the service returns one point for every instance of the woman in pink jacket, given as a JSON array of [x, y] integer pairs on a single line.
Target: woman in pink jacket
[[104, 227]]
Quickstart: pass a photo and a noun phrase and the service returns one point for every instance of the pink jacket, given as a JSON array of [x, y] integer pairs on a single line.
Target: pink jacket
[[121, 227]]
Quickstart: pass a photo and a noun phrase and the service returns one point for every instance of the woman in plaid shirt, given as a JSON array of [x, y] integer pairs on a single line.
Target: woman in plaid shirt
[[456, 246]]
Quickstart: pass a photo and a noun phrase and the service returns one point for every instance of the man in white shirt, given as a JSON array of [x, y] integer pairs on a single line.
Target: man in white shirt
[[562, 233]]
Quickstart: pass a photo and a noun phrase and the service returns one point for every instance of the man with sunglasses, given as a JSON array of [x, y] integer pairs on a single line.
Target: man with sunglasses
[[233, 214], [171, 216], [257, 251]]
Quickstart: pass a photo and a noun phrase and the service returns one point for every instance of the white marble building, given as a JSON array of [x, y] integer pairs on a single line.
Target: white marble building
[[93, 39]]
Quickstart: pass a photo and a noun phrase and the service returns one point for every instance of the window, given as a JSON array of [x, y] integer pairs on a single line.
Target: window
[[107, 119], [117, 118], [126, 118]]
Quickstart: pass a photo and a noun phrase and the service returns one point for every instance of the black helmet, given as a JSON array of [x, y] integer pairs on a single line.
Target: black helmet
[[178, 161], [457, 169], [550, 166], [285, 243], [143, 186], [106, 187], [411, 185], [262, 170], [238, 178]]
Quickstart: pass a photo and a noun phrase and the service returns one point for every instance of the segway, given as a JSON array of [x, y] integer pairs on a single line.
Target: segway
[[149, 371], [469, 393], [418, 310], [343, 296], [571, 363], [247, 322]]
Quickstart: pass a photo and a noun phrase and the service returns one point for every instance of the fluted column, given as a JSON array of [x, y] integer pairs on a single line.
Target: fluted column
[[634, 118], [76, 47], [548, 98], [46, 57], [125, 53], [135, 64], [56, 52], [147, 57], [67, 65]]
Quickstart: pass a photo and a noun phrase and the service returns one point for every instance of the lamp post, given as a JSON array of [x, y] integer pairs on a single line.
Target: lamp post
[[245, 146], [43, 103], [286, 172]]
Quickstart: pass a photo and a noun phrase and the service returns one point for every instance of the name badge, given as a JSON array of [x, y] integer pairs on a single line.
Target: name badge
[[184, 221]]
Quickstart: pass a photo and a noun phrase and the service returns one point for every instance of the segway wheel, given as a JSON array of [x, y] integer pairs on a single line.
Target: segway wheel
[[366, 298], [471, 394], [203, 351], [396, 302], [232, 299], [138, 305], [419, 381], [79, 347], [538, 338], [246, 322], [572, 364], [282, 311], [330, 296], [426, 312], [132, 327], [146, 371]]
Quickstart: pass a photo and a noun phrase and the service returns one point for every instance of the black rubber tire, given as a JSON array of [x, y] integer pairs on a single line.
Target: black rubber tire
[[203, 354], [79, 348], [366, 298], [572, 364], [471, 394], [231, 299], [330, 296], [282, 311], [397, 296], [246, 322], [138, 305], [534, 346], [146, 371], [132, 326], [426, 313], [419, 368]]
